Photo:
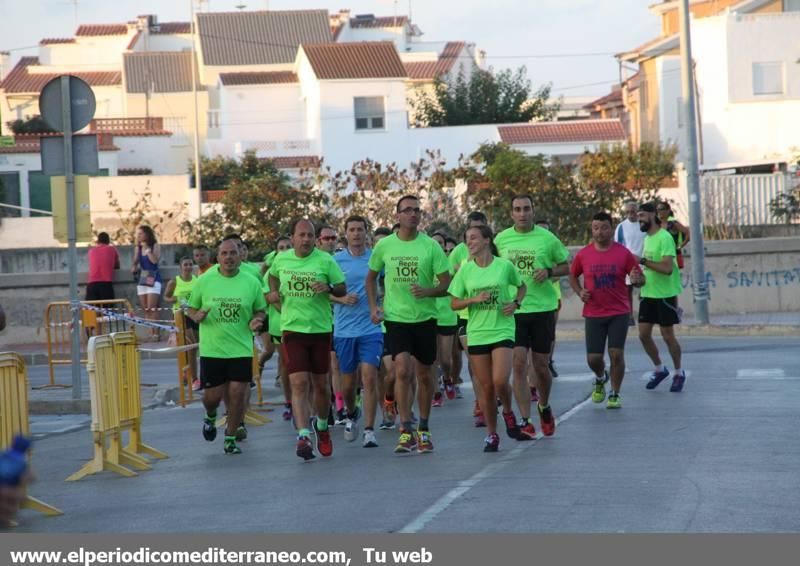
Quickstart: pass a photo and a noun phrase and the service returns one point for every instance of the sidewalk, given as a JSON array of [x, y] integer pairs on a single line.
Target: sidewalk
[[743, 324]]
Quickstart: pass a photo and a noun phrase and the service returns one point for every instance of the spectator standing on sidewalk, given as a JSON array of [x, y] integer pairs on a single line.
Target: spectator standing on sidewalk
[[103, 260]]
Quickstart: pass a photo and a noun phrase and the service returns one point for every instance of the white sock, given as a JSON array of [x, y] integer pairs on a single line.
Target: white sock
[[661, 368], [678, 371]]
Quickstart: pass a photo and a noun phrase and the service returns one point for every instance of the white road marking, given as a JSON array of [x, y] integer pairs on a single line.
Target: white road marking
[[761, 373], [419, 522]]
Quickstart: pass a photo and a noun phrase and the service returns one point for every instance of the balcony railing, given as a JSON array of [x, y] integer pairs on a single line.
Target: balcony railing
[[127, 125]]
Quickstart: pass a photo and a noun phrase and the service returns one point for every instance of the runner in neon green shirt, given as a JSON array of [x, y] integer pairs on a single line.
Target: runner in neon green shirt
[[659, 297], [539, 256], [178, 292], [484, 285], [446, 336], [416, 272], [301, 282], [557, 286], [272, 339], [229, 305]]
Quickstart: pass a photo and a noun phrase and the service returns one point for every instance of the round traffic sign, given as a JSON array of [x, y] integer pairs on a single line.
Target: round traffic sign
[[82, 104]]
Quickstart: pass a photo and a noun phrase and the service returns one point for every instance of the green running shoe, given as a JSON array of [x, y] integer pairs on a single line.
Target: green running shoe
[[599, 391], [230, 446], [241, 433], [614, 401]]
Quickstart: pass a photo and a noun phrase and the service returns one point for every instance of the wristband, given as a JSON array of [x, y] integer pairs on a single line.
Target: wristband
[[642, 261], [516, 302]]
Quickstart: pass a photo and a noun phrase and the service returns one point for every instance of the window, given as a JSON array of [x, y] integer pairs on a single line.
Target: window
[[369, 113], [768, 78], [791, 5], [10, 193]]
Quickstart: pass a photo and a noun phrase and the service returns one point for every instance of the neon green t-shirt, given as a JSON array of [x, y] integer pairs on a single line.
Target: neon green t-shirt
[[251, 268], [529, 251], [657, 285], [302, 310], [457, 257], [273, 314], [417, 261], [231, 303], [445, 315], [183, 291], [269, 257], [487, 323]]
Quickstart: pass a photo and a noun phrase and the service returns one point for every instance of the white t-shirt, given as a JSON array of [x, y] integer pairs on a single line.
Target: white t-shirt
[[631, 236]]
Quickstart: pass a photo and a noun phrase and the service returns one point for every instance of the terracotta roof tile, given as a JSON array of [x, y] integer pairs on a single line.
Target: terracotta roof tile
[[134, 40], [102, 29], [614, 97], [295, 162], [20, 80], [56, 40], [31, 144], [563, 132], [266, 78], [172, 28], [259, 38], [158, 71], [379, 22], [363, 60], [430, 70]]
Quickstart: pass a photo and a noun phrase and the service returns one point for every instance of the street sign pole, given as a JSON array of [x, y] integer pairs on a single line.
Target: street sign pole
[[699, 285], [72, 238]]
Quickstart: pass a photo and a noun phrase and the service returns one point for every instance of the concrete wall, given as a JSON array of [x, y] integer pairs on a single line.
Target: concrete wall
[[743, 276]]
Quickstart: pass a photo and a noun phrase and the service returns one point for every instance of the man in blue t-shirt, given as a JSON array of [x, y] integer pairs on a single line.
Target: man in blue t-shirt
[[357, 340]]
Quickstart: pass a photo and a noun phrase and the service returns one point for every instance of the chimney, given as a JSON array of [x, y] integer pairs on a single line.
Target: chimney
[[5, 64]]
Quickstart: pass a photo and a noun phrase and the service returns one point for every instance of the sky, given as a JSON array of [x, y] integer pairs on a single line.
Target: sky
[[534, 33]]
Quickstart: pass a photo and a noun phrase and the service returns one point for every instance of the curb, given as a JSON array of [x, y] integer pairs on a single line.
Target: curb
[[161, 397], [41, 358]]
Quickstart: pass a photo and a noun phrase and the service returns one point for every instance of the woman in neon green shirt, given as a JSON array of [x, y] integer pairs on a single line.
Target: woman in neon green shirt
[[178, 292], [485, 285]]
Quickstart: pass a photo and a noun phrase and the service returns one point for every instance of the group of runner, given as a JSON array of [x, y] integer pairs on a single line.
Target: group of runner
[[389, 315]]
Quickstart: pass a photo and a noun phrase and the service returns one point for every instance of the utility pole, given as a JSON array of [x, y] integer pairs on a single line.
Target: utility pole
[[197, 180], [699, 286]]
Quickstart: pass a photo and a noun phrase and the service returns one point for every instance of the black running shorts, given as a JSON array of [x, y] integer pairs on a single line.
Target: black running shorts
[[219, 371], [415, 338], [611, 328], [535, 331], [663, 312]]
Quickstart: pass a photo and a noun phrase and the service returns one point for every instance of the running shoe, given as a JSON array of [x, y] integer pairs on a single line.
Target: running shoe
[[599, 391], [230, 446], [657, 377], [407, 442], [387, 423], [368, 439], [512, 428], [414, 419], [534, 395], [351, 427], [677, 382], [614, 401], [341, 418], [324, 442], [287, 413], [450, 390], [491, 443], [547, 421], [305, 449], [425, 443], [526, 430], [480, 421], [210, 428], [241, 433], [437, 399], [552, 369], [458, 393], [196, 385]]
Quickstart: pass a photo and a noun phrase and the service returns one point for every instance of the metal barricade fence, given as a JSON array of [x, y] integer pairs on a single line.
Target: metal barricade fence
[[58, 326], [14, 414], [113, 367]]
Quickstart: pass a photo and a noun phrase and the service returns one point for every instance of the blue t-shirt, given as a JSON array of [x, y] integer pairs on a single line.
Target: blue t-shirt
[[352, 321]]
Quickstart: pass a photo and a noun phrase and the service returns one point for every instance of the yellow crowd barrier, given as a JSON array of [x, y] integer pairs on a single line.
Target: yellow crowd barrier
[[186, 369], [58, 326], [113, 366], [14, 414]]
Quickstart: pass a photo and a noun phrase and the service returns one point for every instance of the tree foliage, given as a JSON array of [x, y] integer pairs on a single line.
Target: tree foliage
[[485, 97], [143, 211], [33, 125]]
